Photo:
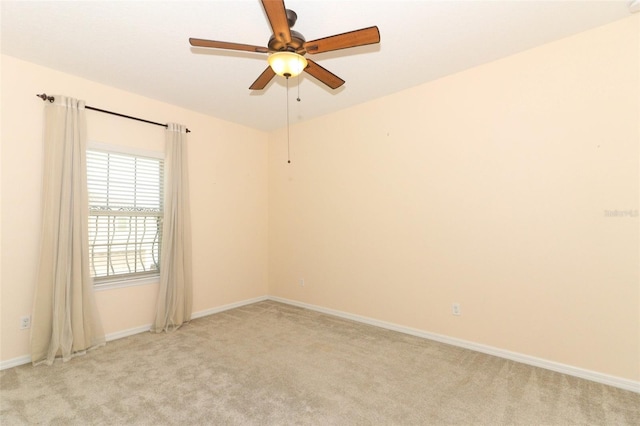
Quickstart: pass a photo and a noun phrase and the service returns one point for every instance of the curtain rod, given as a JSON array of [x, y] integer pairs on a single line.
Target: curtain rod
[[44, 97]]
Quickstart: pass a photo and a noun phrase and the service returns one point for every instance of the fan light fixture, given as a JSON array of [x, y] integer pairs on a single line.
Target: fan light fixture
[[287, 64]]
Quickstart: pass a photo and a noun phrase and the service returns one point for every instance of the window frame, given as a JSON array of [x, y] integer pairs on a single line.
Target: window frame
[[114, 282]]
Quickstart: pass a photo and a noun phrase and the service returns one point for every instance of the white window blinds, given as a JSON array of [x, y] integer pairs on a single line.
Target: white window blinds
[[125, 214]]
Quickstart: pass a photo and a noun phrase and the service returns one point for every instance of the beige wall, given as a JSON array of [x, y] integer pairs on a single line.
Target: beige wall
[[228, 176], [488, 188]]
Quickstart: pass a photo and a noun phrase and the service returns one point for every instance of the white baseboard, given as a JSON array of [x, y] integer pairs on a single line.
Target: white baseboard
[[223, 308], [144, 328], [594, 376], [14, 362], [126, 333], [26, 359]]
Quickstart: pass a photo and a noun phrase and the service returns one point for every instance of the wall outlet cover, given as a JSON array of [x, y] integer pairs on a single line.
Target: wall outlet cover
[[455, 309], [25, 322]]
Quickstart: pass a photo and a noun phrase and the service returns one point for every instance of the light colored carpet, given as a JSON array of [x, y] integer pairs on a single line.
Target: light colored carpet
[[275, 364]]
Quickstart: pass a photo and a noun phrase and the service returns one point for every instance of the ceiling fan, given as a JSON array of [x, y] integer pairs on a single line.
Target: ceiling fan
[[288, 47]]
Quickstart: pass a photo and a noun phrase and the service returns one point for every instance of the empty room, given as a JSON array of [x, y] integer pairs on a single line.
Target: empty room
[[301, 212]]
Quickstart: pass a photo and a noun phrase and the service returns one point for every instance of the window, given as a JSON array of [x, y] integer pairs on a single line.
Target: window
[[125, 215]]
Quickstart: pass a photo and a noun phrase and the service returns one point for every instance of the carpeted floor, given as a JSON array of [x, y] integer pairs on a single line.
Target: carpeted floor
[[275, 364]]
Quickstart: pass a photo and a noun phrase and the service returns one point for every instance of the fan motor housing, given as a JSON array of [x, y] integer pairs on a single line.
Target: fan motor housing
[[297, 40]]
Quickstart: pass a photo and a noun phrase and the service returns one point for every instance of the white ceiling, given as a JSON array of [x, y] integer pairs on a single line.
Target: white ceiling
[[142, 47]]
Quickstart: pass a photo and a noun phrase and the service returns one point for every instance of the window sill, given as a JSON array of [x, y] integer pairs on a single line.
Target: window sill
[[111, 285]]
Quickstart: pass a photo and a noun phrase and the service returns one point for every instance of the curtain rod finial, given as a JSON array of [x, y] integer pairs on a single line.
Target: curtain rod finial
[[44, 97]]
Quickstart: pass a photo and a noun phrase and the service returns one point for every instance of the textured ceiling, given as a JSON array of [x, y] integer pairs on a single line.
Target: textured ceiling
[[142, 47]]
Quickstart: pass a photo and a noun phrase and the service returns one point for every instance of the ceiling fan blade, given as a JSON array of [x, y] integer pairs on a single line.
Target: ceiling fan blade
[[198, 42], [355, 38], [278, 19], [322, 74], [263, 80]]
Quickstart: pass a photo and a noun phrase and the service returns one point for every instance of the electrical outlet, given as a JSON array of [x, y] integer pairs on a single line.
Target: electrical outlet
[[455, 309], [301, 282], [25, 322]]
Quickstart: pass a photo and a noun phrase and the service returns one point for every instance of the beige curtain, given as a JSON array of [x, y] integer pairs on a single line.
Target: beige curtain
[[175, 297], [65, 318]]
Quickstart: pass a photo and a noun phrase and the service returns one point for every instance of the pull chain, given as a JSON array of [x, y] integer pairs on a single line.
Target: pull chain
[[288, 136]]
